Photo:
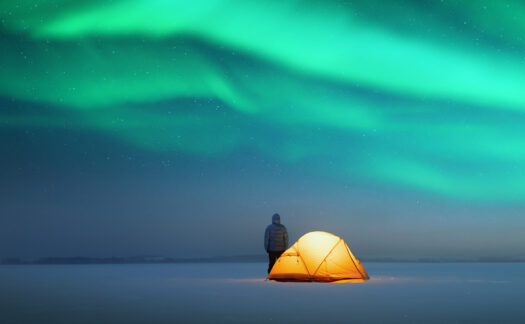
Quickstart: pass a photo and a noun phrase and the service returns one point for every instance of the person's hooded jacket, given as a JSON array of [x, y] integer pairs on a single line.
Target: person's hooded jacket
[[276, 236]]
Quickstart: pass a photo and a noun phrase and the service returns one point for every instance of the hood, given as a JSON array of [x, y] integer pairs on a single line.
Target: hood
[[276, 219]]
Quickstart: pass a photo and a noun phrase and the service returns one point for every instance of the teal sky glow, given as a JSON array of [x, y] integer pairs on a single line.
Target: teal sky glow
[[426, 96]]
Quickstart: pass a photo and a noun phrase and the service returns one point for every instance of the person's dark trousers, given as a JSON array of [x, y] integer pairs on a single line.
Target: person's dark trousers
[[273, 256]]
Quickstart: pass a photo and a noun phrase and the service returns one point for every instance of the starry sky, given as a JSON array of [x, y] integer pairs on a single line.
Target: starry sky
[[156, 127]]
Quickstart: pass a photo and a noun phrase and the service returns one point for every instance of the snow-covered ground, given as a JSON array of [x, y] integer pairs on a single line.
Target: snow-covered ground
[[237, 292]]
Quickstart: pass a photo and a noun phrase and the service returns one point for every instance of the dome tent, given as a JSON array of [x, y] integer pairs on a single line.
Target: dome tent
[[318, 256]]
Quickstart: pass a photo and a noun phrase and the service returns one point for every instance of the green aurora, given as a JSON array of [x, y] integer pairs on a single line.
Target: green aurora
[[421, 95]]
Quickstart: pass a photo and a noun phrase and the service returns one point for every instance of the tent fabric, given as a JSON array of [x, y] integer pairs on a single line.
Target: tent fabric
[[318, 256]]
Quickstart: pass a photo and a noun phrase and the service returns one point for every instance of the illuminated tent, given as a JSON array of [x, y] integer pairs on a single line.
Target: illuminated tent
[[318, 256]]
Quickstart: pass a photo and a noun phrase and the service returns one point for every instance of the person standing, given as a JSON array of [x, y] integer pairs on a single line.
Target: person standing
[[275, 240]]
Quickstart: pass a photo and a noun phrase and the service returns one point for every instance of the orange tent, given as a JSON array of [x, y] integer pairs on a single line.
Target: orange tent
[[318, 256]]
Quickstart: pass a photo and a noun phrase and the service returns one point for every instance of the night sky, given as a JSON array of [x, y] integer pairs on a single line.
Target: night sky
[[177, 128]]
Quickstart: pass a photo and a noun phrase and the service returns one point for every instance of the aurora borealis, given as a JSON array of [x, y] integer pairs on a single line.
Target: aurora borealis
[[422, 99]]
